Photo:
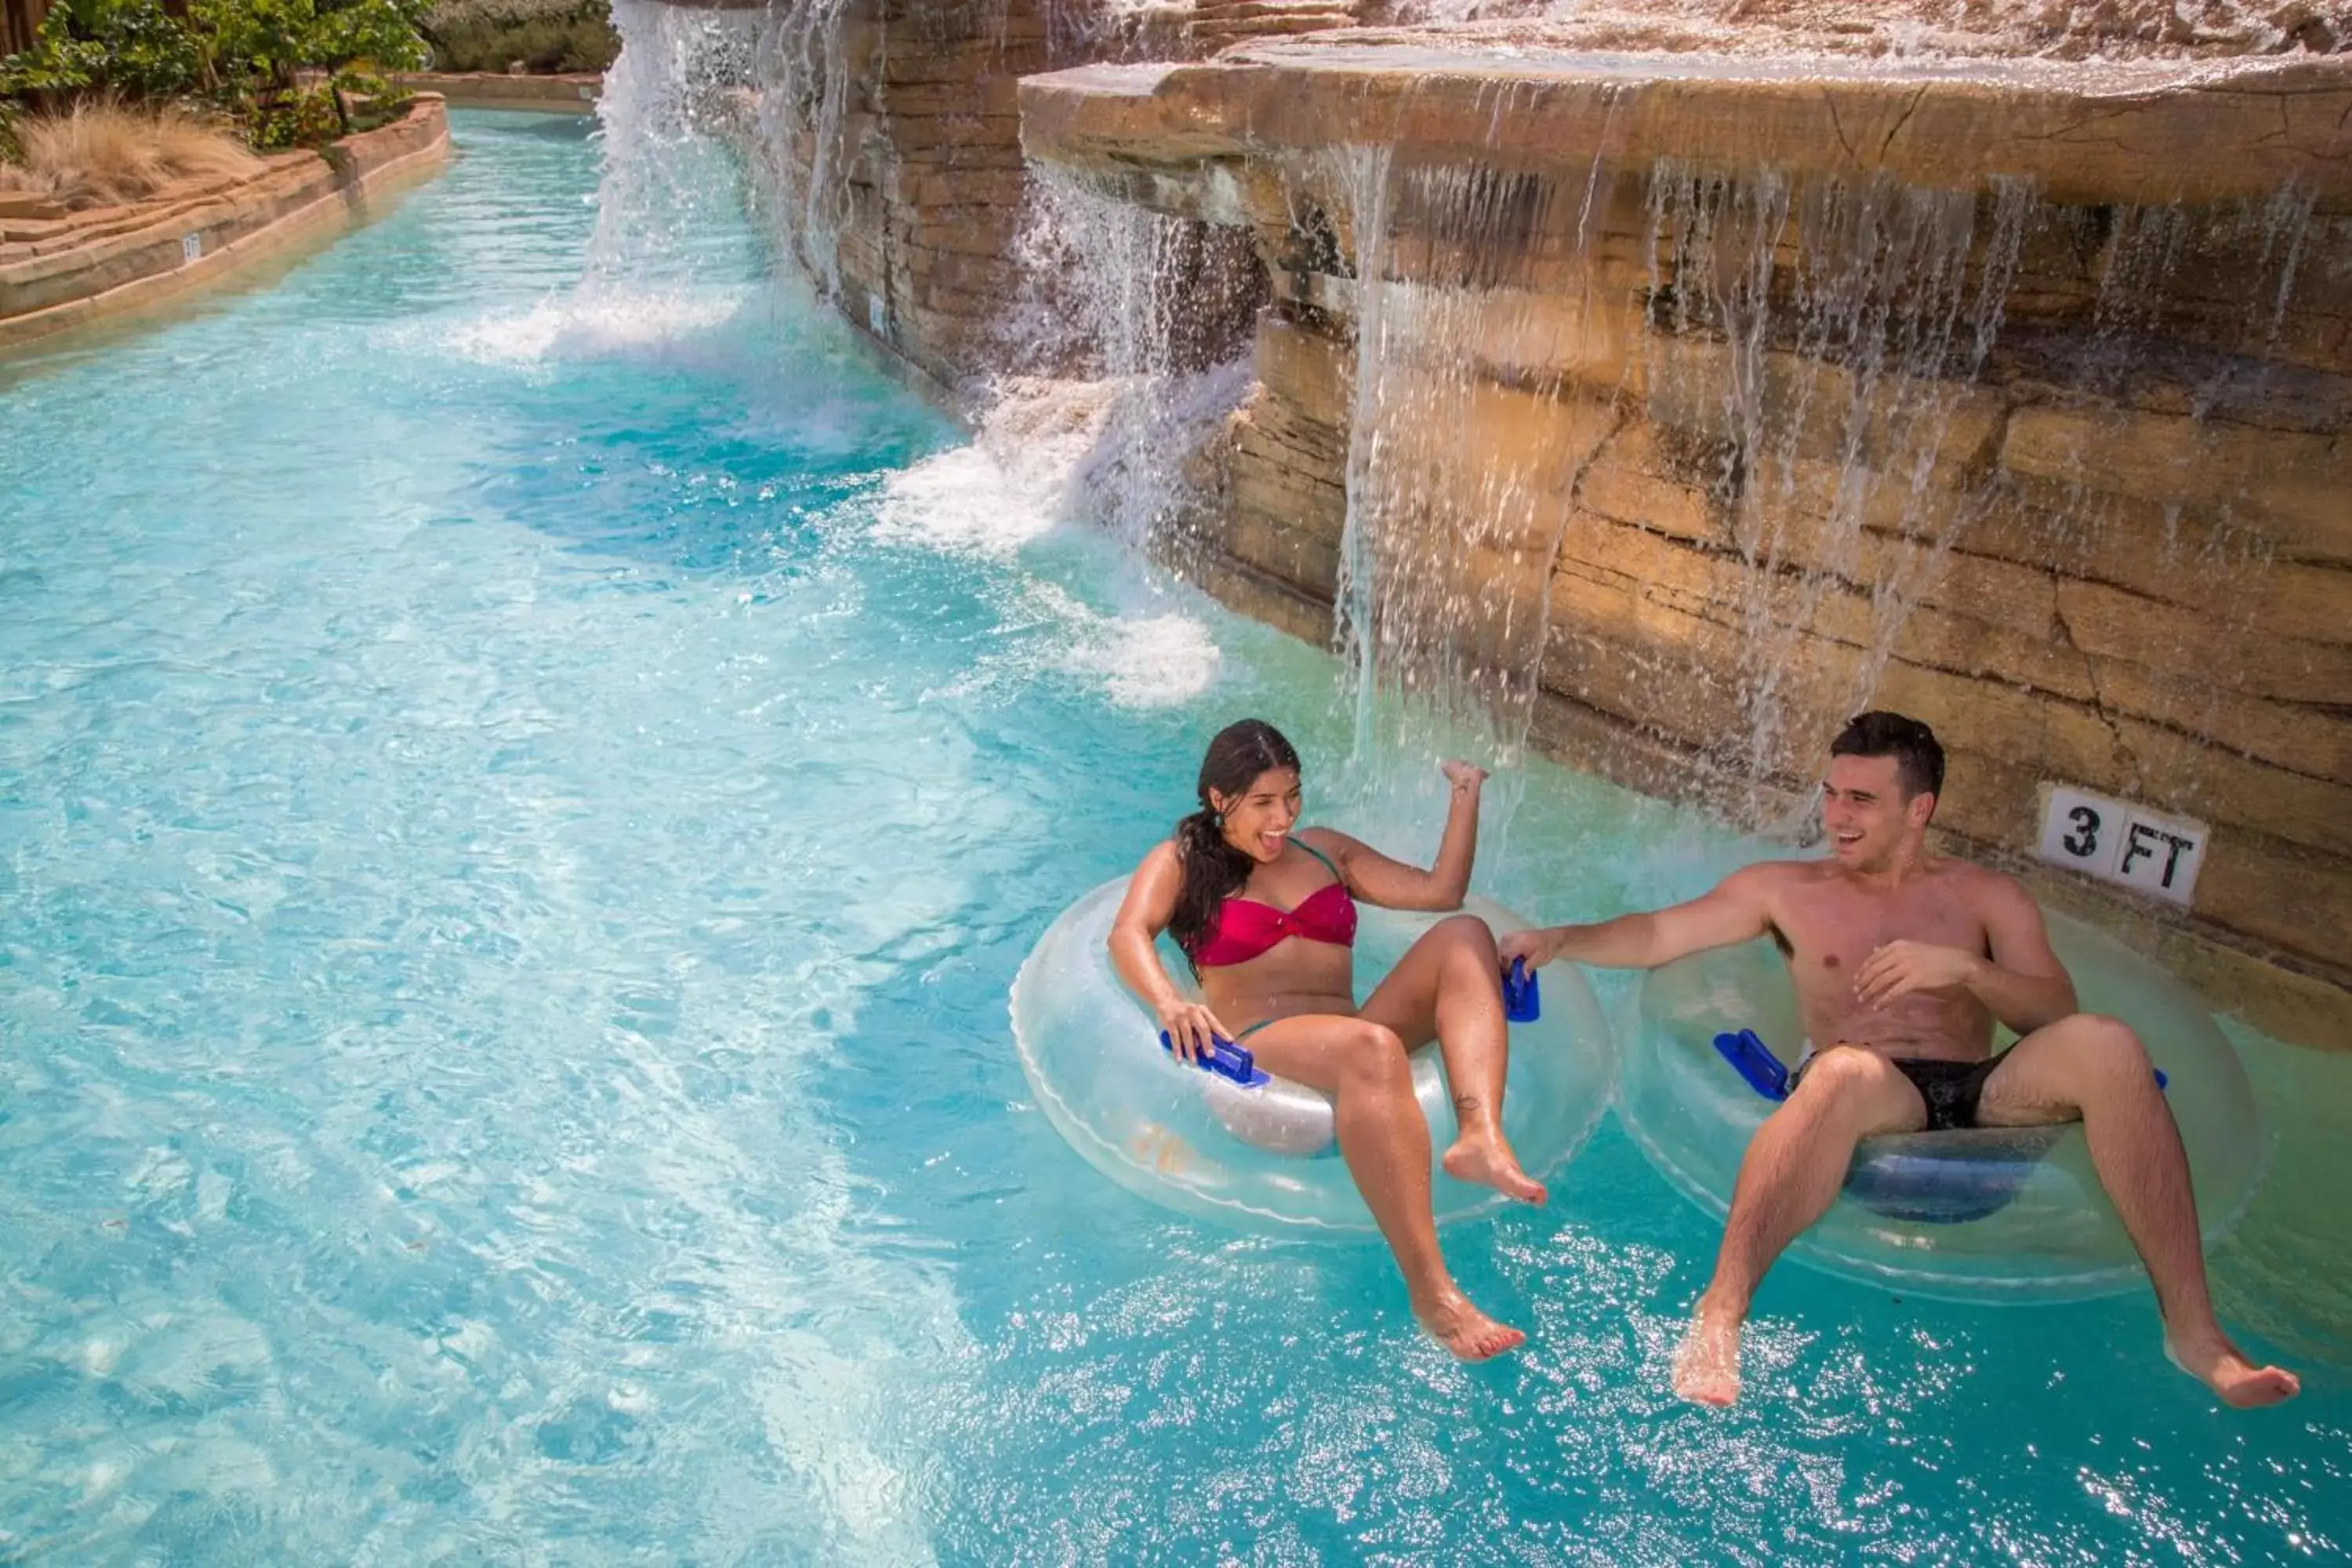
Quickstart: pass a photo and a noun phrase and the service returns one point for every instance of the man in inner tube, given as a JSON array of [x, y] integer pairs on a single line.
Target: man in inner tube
[[1905, 959]]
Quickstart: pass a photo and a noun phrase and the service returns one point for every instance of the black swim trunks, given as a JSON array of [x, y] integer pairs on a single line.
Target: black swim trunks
[[1950, 1088]]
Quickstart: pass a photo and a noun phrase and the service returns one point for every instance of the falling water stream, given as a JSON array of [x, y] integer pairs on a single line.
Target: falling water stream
[[1823, 338]]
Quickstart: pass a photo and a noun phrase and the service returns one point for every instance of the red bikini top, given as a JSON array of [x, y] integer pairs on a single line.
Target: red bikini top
[[1242, 929]]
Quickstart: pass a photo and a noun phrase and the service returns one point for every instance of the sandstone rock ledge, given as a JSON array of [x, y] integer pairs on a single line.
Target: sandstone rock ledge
[[69, 270], [1566, 431], [2148, 132], [575, 92]]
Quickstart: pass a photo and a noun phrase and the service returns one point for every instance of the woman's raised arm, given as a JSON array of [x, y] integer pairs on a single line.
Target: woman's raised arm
[[1391, 884]]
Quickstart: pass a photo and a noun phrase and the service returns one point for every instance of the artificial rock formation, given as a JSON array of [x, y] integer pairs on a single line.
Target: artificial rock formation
[[1690, 402], [1690, 381], [894, 127]]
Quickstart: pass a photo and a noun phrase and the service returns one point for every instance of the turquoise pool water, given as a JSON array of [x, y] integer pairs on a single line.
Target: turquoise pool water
[[520, 803]]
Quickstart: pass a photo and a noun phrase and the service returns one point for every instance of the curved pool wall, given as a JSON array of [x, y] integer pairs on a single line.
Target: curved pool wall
[[518, 811], [1675, 406], [2005, 389], [64, 272]]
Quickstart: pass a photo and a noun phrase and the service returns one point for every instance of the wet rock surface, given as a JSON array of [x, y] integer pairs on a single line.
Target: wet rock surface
[[1730, 392]]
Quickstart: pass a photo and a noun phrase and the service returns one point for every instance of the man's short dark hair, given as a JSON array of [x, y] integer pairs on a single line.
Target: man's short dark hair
[[1918, 756]]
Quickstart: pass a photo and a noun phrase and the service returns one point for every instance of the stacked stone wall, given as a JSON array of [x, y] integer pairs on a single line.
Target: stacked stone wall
[[928, 181], [2136, 578], [931, 192], [2140, 586]]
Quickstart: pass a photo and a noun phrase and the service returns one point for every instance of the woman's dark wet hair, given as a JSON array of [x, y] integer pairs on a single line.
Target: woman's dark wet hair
[[1214, 869]]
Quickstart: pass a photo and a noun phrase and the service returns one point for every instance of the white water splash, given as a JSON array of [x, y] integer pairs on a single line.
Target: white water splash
[[1028, 470], [1157, 661], [606, 322], [1011, 484]]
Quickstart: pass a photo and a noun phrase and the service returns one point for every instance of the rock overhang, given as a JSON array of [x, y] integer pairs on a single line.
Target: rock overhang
[[2140, 133]]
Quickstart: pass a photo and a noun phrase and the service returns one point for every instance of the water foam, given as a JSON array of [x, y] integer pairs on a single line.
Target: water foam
[[1011, 484], [594, 325]]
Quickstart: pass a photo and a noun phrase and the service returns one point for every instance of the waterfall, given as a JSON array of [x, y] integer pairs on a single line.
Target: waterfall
[[676, 67], [802, 72], [1834, 365], [1152, 310], [1443, 599], [1662, 467], [1827, 372], [1825, 342]]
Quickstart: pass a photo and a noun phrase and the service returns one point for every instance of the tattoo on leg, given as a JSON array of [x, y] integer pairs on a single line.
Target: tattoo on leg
[[1466, 1103]]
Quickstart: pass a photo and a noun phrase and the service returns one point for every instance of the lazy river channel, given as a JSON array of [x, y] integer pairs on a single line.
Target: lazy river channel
[[525, 777]]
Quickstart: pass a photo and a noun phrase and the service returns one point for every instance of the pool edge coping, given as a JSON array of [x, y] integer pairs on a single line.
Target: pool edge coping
[[257, 217]]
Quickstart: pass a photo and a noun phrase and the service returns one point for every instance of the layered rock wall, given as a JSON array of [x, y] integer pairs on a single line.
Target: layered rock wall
[[896, 128], [1723, 401], [932, 178], [1626, 463]]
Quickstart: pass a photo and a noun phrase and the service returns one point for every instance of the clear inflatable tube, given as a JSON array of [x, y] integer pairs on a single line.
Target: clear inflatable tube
[[1262, 1157], [1978, 1214]]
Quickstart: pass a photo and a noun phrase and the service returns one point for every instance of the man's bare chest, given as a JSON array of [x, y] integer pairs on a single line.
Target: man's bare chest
[[1827, 931]]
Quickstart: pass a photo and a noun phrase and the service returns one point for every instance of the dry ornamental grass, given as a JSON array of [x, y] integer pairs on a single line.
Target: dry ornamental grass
[[100, 153]]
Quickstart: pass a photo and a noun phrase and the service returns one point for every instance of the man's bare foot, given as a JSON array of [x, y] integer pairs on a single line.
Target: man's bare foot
[[1707, 1368], [1486, 1159], [2235, 1381], [1465, 1331]]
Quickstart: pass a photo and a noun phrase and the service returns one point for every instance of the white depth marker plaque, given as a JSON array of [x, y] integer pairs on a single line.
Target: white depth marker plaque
[[2118, 842]]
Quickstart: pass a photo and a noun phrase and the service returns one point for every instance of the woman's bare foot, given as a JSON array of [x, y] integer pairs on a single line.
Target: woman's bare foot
[[1465, 1331], [1486, 1159], [2235, 1381], [1707, 1368]]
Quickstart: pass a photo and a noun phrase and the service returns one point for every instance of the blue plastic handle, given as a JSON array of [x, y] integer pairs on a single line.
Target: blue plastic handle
[[1224, 1058], [1522, 1002], [1753, 1060], [1768, 1076]]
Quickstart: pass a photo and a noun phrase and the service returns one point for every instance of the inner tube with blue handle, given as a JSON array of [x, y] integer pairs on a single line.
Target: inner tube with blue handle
[[1982, 1213]]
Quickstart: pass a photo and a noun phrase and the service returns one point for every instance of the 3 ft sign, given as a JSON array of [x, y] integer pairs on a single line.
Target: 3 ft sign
[[2118, 842]]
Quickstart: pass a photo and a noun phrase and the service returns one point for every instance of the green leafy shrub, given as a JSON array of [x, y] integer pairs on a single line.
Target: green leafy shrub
[[266, 42], [128, 47], [268, 64], [544, 35], [303, 118]]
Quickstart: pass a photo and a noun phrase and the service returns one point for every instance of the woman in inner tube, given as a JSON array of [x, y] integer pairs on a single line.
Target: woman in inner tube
[[1268, 920]]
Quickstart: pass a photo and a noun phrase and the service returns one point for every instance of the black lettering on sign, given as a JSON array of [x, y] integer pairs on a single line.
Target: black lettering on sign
[[2172, 861], [2083, 842], [2138, 843]]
